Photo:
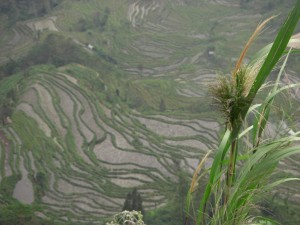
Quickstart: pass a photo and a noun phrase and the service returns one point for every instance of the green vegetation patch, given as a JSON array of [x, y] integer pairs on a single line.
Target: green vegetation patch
[[8, 184], [17, 213]]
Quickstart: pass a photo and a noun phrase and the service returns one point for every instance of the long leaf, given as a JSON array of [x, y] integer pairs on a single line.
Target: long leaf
[[277, 49], [262, 54], [276, 183], [224, 146], [264, 111], [261, 165], [193, 185]]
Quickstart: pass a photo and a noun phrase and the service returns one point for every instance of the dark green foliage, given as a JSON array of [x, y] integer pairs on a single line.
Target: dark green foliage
[[174, 212], [105, 56], [137, 102], [102, 21], [136, 142], [8, 184], [134, 202], [9, 68], [56, 50], [7, 104], [81, 25], [162, 105], [19, 214], [180, 198], [40, 180], [5, 109], [26, 9], [118, 92], [8, 96], [167, 215], [13, 212], [98, 20]]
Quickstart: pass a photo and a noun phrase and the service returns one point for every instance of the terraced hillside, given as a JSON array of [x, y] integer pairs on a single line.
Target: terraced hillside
[[89, 155], [80, 138], [15, 42]]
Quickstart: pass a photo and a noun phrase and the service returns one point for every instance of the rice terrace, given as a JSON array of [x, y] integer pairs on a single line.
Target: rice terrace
[[99, 98]]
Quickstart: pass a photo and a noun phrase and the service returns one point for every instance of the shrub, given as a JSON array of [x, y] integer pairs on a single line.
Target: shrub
[[127, 218]]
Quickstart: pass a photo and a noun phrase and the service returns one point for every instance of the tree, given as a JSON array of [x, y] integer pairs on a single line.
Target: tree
[[162, 105], [134, 201], [82, 25], [97, 18]]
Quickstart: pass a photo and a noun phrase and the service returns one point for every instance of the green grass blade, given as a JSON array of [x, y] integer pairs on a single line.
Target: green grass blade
[[273, 55], [277, 49], [262, 54], [258, 168], [244, 132], [276, 183], [281, 71], [264, 111], [194, 184], [271, 96], [215, 169]]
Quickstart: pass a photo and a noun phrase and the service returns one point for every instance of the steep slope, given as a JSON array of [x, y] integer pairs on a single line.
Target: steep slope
[[89, 155], [134, 113]]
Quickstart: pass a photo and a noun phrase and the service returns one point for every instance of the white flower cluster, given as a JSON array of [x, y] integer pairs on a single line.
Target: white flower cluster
[[128, 218]]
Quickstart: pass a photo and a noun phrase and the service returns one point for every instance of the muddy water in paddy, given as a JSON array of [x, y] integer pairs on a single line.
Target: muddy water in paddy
[[23, 191]]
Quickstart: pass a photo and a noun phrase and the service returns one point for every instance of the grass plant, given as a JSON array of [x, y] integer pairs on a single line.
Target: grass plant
[[232, 190]]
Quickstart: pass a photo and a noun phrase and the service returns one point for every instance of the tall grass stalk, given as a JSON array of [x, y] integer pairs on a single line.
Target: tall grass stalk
[[234, 95], [193, 186]]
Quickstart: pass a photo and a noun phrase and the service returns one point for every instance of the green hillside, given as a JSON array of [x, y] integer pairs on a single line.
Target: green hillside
[[99, 97]]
